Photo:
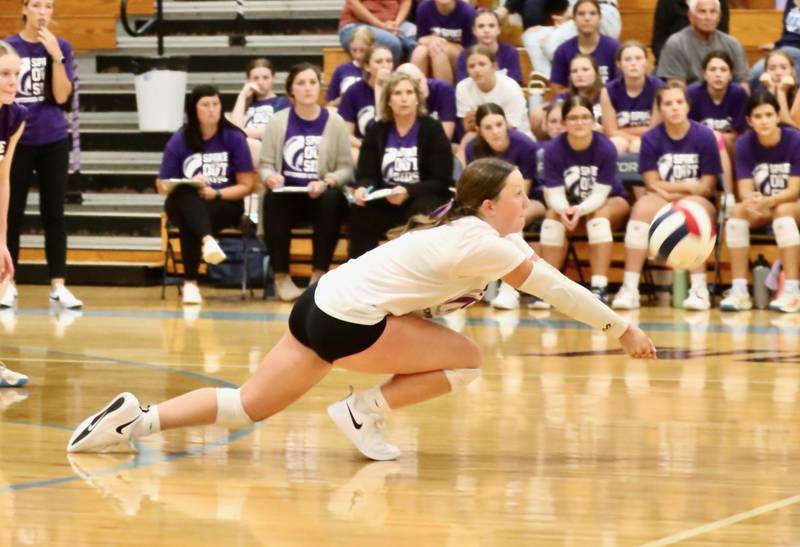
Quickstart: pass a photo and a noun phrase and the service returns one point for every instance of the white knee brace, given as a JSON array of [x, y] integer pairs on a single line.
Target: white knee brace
[[598, 230], [553, 233], [636, 234], [737, 233], [460, 378], [230, 412], [786, 232]]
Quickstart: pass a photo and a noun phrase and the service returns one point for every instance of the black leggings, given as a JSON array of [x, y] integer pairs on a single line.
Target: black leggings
[[328, 337], [51, 163], [197, 218], [368, 224], [282, 211]]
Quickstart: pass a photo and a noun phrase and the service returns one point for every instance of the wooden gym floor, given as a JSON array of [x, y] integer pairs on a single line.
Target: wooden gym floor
[[562, 442]]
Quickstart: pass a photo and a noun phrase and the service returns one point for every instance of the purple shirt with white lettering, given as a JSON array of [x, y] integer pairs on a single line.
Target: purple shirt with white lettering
[[399, 164], [11, 117], [579, 170], [358, 107], [441, 101], [46, 122], [301, 148], [521, 152], [507, 63], [455, 27], [605, 54], [633, 111], [343, 77], [769, 167], [223, 156], [261, 111], [726, 116], [689, 158]]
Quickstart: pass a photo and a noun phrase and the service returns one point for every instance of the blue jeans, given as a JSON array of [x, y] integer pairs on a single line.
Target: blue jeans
[[404, 42], [758, 68]]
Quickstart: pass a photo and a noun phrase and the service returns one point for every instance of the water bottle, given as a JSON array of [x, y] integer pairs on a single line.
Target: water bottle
[[680, 288], [761, 270], [536, 92]]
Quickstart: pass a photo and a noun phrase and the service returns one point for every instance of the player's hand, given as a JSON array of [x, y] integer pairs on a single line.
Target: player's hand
[[637, 344]]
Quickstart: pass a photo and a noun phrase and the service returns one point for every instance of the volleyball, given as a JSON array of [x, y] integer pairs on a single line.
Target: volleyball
[[682, 233]]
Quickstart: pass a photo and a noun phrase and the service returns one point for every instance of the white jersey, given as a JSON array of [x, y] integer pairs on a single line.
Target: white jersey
[[430, 272], [506, 93]]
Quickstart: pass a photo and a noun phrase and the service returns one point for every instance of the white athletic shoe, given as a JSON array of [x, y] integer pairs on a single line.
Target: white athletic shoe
[[191, 294], [212, 253], [286, 290], [365, 430], [108, 428], [698, 300], [626, 299], [9, 378], [787, 302], [735, 301], [9, 296], [62, 295], [507, 298]]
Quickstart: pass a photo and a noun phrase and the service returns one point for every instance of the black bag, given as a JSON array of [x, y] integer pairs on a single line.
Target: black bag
[[229, 272]]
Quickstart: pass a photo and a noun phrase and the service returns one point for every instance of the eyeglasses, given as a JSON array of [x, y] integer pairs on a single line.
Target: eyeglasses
[[577, 119]]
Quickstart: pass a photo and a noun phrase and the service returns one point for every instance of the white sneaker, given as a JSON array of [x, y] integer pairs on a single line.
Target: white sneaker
[[626, 299], [286, 290], [787, 302], [537, 303], [212, 253], [698, 300], [62, 295], [507, 298], [735, 301], [9, 378], [9, 296], [191, 294], [108, 428], [365, 430]]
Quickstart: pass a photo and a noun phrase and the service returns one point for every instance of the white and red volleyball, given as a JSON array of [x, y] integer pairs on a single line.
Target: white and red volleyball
[[683, 234]]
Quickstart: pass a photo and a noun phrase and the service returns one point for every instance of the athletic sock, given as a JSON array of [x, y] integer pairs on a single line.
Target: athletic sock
[[372, 401], [791, 286], [148, 424], [698, 280], [631, 280], [600, 281], [739, 285]]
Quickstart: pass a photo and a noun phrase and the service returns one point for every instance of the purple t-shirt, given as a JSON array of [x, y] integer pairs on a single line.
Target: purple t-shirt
[[689, 158], [441, 101], [605, 54], [345, 75], [455, 27], [46, 122], [11, 117], [358, 106], [301, 148], [521, 152], [261, 111], [770, 168], [633, 111], [223, 155], [728, 115], [507, 63], [399, 164], [579, 170]]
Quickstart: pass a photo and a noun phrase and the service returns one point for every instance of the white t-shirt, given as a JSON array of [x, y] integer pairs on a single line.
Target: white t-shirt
[[506, 93], [430, 272]]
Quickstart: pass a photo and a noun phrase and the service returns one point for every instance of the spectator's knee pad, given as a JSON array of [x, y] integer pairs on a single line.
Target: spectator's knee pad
[[553, 233], [737, 233], [786, 232], [598, 230], [460, 378], [636, 234], [230, 412]]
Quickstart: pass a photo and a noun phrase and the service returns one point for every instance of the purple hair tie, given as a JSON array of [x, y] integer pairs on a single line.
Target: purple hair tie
[[442, 210]]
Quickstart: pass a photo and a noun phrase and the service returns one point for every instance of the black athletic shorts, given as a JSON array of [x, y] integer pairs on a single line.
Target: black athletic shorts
[[328, 337]]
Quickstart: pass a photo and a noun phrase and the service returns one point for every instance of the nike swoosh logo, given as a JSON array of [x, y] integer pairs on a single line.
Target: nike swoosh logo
[[111, 408], [355, 423], [123, 426], [145, 409]]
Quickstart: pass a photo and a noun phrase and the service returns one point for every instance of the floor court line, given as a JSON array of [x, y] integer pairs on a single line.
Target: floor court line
[[722, 523]]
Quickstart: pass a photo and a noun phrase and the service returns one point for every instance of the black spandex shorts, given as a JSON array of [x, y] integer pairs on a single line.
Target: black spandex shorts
[[328, 337]]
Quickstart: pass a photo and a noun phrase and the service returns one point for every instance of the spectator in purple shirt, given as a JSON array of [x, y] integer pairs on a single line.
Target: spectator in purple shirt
[[444, 29], [46, 91], [628, 102], [256, 104], [486, 29], [440, 97], [780, 79], [350, 72], [768, 176], [679, 159], [213, 152]]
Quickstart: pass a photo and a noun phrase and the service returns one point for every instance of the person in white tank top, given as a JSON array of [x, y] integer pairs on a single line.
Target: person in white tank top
[[384, 297]]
